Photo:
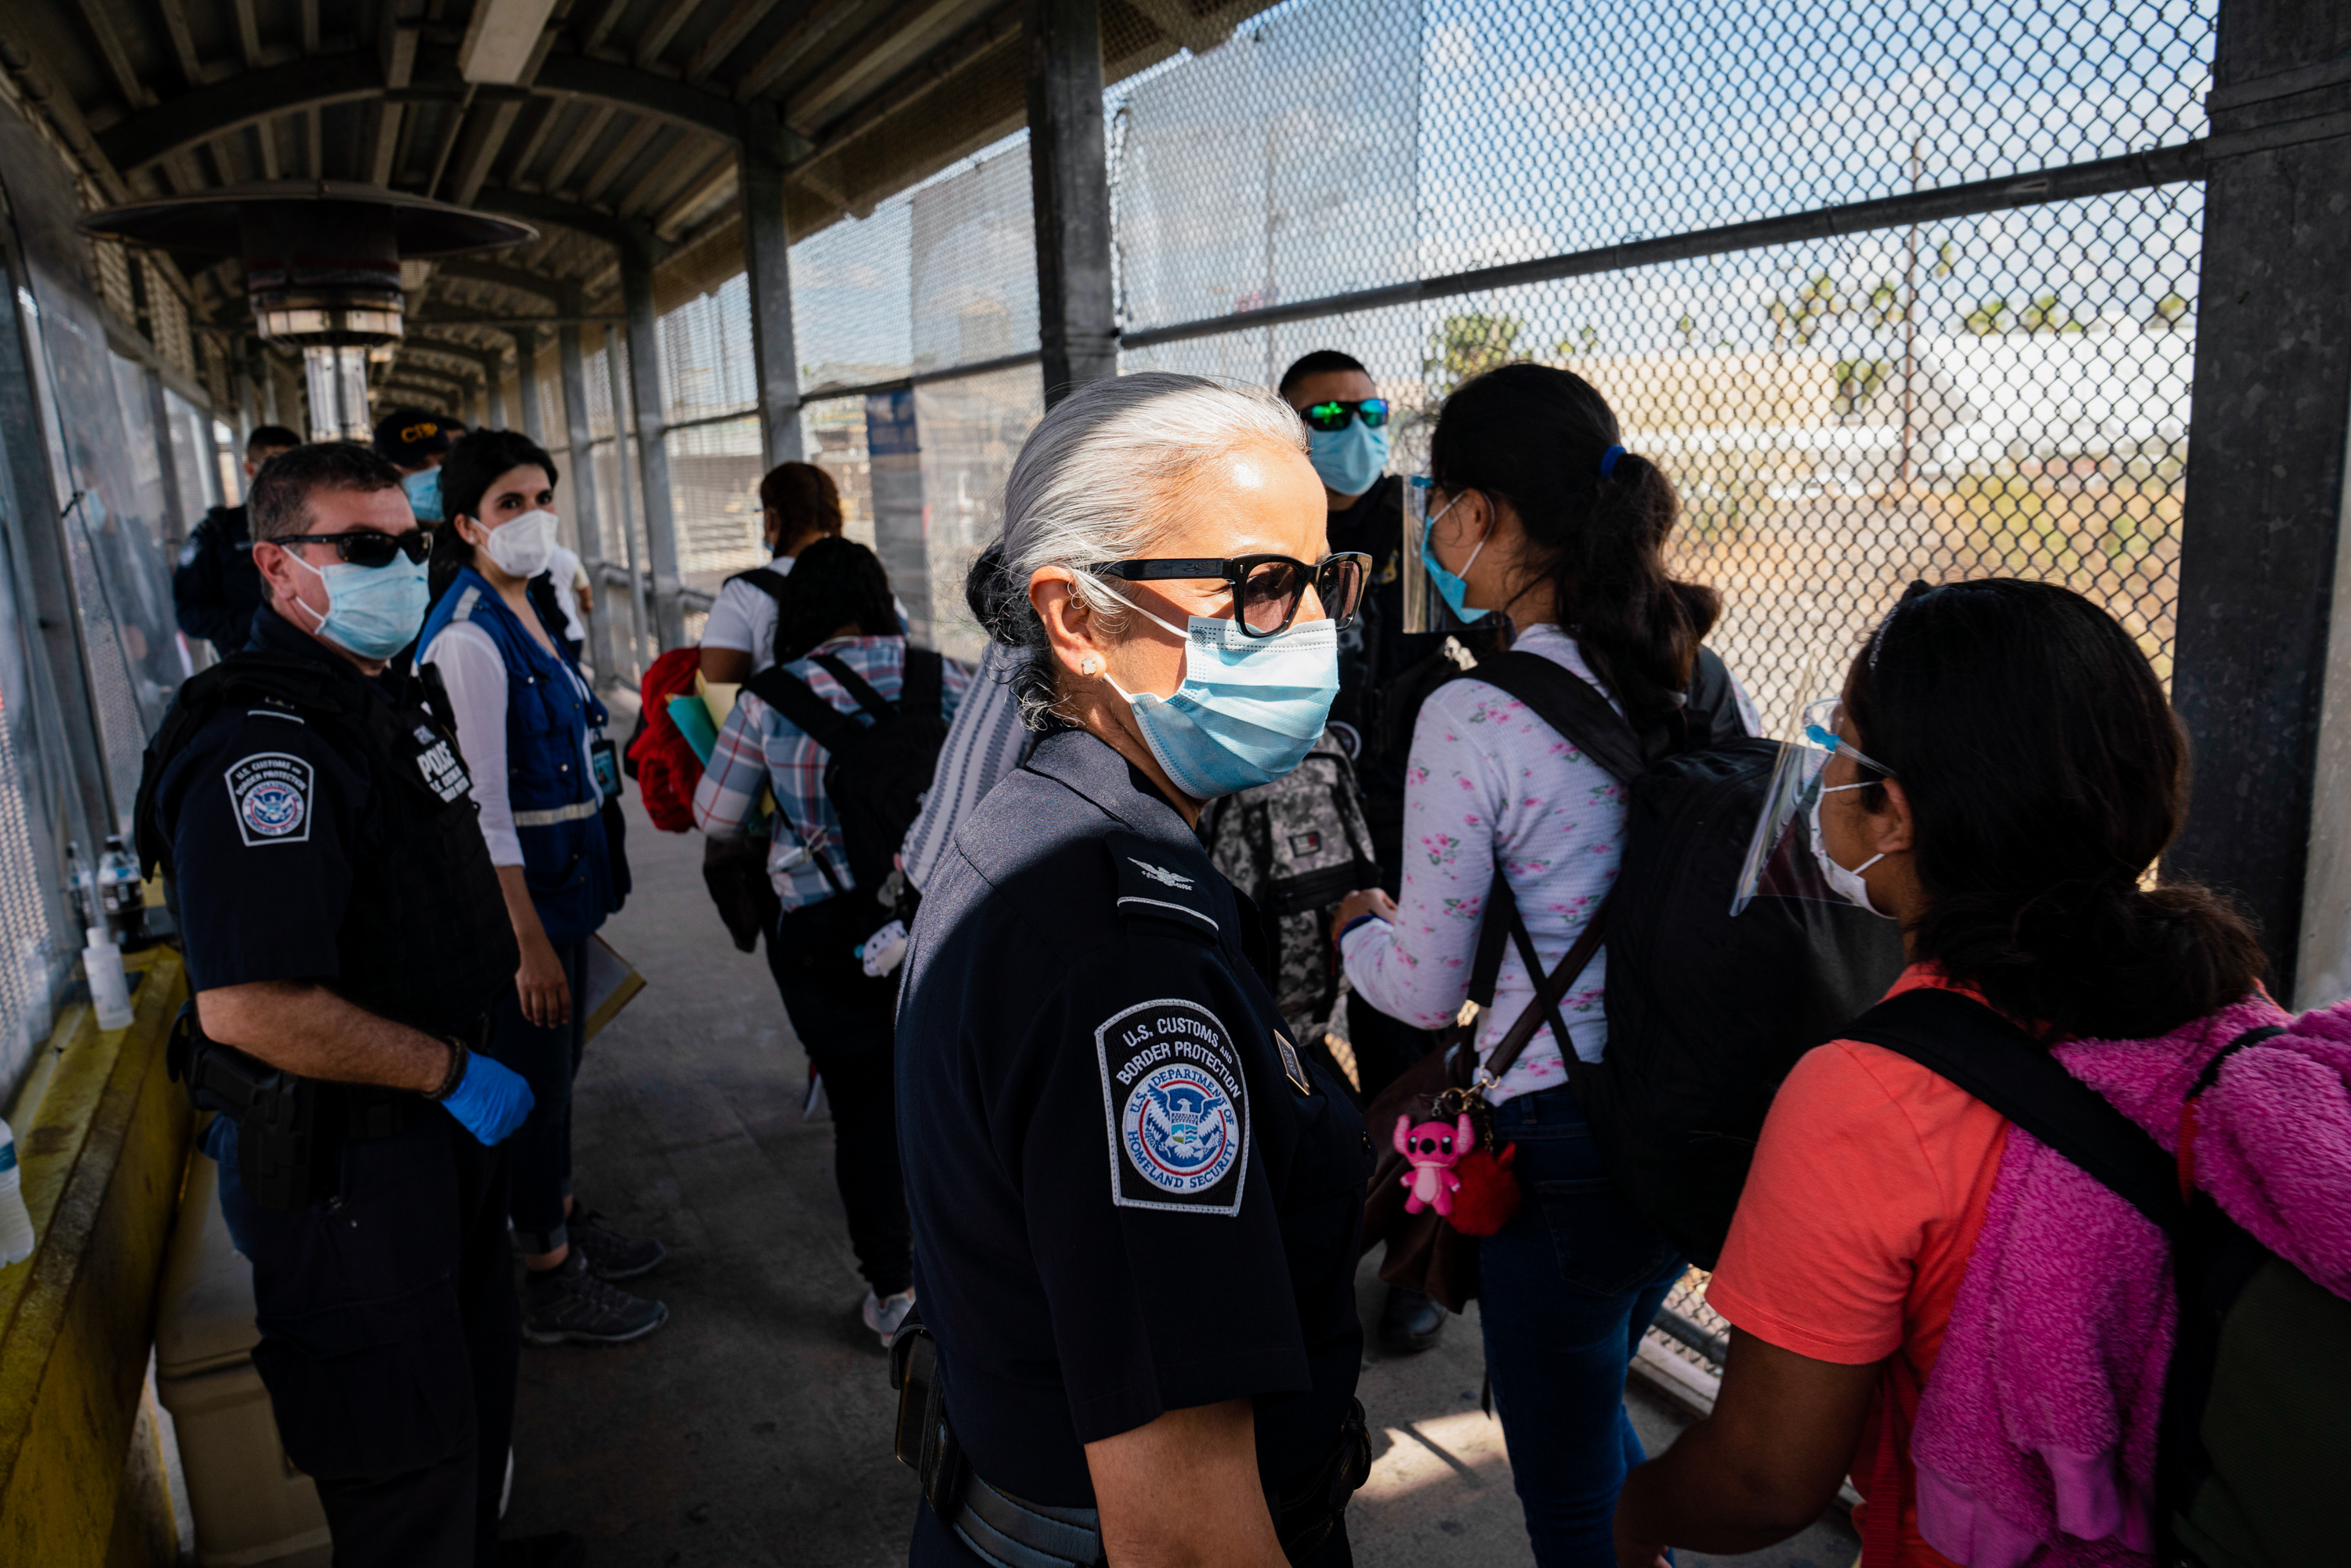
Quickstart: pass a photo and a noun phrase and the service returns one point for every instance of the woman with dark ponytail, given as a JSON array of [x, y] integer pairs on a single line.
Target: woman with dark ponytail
[[1537, 515], [2004, 775]]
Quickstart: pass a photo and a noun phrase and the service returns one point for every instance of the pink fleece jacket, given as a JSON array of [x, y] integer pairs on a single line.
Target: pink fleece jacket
[[2036, 1433]]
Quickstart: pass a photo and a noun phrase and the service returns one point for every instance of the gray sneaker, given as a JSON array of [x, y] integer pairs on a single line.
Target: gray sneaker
[[571, 1304], [610, 1254]]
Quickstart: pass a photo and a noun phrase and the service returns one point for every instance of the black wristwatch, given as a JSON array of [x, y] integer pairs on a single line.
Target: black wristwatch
[[459, 1057]]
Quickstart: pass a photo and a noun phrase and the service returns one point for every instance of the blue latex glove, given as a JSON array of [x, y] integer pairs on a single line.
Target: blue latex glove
[[490, 1101]]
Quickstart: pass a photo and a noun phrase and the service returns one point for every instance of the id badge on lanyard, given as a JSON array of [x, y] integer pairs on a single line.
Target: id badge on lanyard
[[606, 758]]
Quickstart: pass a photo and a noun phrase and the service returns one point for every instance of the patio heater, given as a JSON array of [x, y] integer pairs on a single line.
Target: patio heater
[[322, 263]]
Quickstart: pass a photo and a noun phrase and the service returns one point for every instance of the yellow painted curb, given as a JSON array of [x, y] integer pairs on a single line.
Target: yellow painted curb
[[103, 1156]]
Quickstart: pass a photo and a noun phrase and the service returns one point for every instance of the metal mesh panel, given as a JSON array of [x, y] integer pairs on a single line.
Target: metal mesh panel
[[972, 255], [972, 428], [944, 274], [2004, 394], [1280, 166], [833, 433], [714, 491], [706, 347], [852, 317], [1690, 1329]]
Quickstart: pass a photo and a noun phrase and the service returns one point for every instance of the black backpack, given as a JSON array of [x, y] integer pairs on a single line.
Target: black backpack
[[770, 582], [875, 773], [1706, 1012], [2257, 1411]]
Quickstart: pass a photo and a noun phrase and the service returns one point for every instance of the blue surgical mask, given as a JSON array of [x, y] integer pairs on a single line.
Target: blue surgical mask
[[1451, 584], [423, 489], [1349, 460], [373, 611], [1250, 709]]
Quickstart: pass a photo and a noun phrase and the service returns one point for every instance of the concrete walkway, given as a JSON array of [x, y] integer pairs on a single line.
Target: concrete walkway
[[755, 1427]]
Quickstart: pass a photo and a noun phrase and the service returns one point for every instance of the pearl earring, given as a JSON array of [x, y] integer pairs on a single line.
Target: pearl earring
[[1093, 667]]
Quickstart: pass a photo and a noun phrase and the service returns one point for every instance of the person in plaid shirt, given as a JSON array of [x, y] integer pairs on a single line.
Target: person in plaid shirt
[[837, 602]]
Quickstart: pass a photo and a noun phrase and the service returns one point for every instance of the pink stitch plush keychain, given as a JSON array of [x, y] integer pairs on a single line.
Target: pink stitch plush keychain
[[1434, 1149]]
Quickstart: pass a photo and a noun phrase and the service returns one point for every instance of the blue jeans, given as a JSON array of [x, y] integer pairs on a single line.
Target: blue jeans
[[1566, 1290]]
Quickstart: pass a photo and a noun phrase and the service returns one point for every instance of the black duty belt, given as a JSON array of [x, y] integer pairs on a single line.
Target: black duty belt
[[290, 1129], [1012, 1532]]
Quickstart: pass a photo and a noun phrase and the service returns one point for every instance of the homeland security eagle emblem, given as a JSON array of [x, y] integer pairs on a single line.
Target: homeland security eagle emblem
[[1177, 1108], [1161, 875], [269, 791]]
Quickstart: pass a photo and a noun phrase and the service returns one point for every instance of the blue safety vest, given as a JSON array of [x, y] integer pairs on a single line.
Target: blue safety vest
[[558, 811]]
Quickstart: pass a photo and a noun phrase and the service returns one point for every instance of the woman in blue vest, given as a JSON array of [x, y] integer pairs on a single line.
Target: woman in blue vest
[[524, 717]]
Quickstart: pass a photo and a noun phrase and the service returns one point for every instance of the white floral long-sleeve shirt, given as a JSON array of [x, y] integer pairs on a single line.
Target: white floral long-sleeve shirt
[[1488, 781]]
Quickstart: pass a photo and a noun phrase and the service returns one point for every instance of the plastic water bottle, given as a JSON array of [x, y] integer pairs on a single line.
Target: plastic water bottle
[[109, 987], [15, 1224], [120, 892], [82, 887]]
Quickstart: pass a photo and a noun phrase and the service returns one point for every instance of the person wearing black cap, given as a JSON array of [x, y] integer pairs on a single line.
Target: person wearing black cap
[[414, 441], [215, 588]]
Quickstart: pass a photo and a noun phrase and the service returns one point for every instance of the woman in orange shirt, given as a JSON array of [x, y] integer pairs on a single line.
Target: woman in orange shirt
[[2006, 770]]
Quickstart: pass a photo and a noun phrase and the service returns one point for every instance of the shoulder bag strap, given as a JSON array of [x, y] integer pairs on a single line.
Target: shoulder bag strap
[[1967, 1043], [797, 700], [877, 706], [1501, 913], [1569, 705], [820, 721], [767, 580], [1545, 1006], [923, 688]]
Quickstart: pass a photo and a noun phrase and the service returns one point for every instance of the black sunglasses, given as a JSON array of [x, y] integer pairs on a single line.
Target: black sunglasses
[[368, 548], [1334, 414], [1267, 589]]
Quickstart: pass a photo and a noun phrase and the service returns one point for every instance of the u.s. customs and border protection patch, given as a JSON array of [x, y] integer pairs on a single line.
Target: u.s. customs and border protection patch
[[1176, 1104], [270, 793]]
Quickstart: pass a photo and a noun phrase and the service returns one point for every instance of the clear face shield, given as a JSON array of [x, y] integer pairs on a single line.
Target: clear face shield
[[1784, 856], [1432, 594]]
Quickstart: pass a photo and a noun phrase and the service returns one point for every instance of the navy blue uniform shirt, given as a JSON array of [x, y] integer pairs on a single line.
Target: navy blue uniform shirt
[[1129, 1192], [266, 815]]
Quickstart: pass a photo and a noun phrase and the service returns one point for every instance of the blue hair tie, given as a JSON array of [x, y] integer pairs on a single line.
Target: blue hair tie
[[1608, 461]]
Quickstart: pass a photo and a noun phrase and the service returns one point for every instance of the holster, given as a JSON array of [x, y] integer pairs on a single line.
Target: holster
[[289, 1129]]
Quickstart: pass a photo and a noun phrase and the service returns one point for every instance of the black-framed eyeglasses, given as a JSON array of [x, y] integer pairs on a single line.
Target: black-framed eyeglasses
[[1334, 413], [1267, 589], [366, 546]]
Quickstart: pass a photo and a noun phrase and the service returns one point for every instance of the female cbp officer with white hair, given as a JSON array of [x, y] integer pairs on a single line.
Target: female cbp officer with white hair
[[1135, 1205]]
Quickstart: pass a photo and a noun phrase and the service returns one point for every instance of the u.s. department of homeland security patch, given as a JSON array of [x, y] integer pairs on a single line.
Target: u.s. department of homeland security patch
[[1177, 1107], [269, 791]]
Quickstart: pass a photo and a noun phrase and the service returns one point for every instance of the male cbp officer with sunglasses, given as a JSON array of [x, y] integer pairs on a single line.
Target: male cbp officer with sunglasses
[[346, 938], [1384, 675]]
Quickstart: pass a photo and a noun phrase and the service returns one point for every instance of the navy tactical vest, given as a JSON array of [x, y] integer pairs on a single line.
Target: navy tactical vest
[[425, 939], [558, 811]]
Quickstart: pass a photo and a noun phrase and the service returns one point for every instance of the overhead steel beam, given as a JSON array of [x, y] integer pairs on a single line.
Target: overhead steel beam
[[661, 97], [560, 292], [732, 30], [1175, 19], [613, 231], [513, 324], [190, 119]]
